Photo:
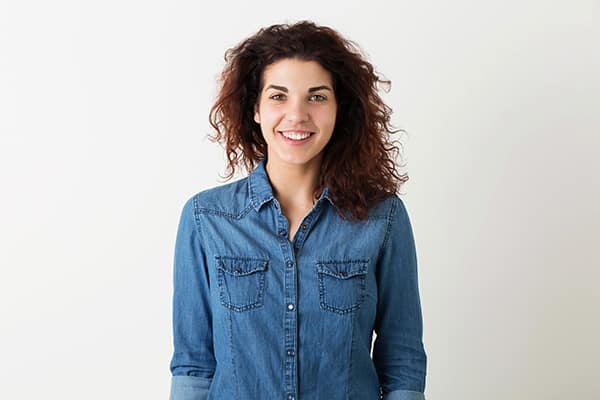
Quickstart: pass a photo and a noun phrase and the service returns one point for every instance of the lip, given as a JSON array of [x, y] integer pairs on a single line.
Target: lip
[[295, 130]]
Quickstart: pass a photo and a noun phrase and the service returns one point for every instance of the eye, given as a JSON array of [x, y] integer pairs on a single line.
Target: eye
[[275, 96], [318, 97]]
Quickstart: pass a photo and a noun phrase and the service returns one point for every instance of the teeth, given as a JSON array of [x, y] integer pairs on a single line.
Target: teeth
[[296, 135]]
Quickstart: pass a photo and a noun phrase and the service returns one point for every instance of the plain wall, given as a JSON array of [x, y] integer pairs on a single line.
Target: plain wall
[[103, 123]]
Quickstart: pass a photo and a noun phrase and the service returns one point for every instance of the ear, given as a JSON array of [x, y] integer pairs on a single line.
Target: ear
[[256, 114]]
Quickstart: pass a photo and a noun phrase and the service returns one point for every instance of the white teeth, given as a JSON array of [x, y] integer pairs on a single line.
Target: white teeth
[[296, 135]]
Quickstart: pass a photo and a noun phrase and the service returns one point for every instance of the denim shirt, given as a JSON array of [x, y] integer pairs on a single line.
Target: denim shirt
[[257, 317]]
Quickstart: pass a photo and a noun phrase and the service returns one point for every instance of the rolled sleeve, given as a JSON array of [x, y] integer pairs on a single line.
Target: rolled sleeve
[[193, 363], [189, 387], [398, 354], [404, 395]]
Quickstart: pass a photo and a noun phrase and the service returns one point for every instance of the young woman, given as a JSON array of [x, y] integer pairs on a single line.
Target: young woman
[[281, 278]]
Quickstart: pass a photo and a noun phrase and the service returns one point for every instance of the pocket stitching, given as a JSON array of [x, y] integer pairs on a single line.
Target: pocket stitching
[[259, 267], [357, 273]]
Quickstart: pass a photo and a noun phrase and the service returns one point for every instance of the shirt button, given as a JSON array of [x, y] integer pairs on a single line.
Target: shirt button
[[290, 306], [282, 232], [290, 264], [343, 273], [303, 227], [290, 352], [290, 397]]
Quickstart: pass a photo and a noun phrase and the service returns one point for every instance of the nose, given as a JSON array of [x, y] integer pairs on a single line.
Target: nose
[[296, 111]]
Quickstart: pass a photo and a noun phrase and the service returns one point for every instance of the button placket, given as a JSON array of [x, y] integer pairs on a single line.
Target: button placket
[[290, 301]]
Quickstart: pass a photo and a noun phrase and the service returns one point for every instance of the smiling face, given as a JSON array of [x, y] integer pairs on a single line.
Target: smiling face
[[296, 111]]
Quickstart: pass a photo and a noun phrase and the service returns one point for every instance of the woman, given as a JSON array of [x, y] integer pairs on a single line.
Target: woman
[[281, 278]]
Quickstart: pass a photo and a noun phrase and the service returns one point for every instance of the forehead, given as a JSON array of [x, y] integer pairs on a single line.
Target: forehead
[[296, 73]]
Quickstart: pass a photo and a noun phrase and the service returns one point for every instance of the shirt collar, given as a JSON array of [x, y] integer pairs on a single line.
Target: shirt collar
[[261, 191]]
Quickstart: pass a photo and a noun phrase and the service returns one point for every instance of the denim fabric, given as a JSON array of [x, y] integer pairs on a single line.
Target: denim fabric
[[256, 316]]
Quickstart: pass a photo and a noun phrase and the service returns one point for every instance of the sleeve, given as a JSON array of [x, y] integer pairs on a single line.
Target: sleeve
[[192, 364], [398, 353]]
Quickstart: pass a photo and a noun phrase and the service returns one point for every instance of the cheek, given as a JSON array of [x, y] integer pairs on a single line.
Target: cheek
[[326, 116], [268, 116]]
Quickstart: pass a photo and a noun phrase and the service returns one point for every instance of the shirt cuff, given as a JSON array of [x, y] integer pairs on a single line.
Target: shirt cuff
[[403, 395], [184, 387]]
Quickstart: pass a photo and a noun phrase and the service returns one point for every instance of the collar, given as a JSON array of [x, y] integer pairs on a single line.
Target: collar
[[260, 189]]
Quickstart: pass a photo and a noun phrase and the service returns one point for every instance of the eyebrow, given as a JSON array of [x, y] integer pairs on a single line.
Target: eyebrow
[[310, 90]]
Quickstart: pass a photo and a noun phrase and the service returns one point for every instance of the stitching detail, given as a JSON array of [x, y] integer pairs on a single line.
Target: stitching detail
[[347, 282], [235, 380], [350, 356], [226, 214], [388, 229], [227, 280]]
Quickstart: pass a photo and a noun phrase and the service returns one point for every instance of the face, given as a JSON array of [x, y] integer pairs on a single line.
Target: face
[[296, 111]]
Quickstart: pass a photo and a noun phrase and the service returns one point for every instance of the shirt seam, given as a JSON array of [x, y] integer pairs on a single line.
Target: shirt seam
[[197, 227], [352, 322], [388, 229]]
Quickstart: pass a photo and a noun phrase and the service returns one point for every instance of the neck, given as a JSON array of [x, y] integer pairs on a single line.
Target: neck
[[293, 185]]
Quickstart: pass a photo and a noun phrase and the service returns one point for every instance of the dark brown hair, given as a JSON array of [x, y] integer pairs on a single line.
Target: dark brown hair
[[358, 161]]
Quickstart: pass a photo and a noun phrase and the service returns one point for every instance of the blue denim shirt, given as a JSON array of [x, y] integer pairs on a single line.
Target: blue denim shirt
[[257, 317]]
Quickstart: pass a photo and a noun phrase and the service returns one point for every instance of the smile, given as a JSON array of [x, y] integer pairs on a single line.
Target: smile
[[296, 136]]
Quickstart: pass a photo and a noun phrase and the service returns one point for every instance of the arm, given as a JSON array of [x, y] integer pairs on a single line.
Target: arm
[[192, 364], [398, 353]]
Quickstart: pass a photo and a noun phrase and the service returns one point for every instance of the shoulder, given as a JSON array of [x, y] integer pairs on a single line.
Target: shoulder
[[398, 210], [398, 220], [390, 208], [230, 199]]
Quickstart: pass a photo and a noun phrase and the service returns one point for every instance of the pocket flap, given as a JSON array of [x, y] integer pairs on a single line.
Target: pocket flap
[[343, 269], [241, 265]]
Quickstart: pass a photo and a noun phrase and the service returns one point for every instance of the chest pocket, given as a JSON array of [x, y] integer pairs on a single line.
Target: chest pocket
[[342, 284], [241, 282]]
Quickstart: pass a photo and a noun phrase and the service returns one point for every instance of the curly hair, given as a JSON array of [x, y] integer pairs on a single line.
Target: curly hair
[[358, 163]]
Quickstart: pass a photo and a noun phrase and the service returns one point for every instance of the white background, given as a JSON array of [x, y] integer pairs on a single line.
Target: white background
[[103, 121]]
